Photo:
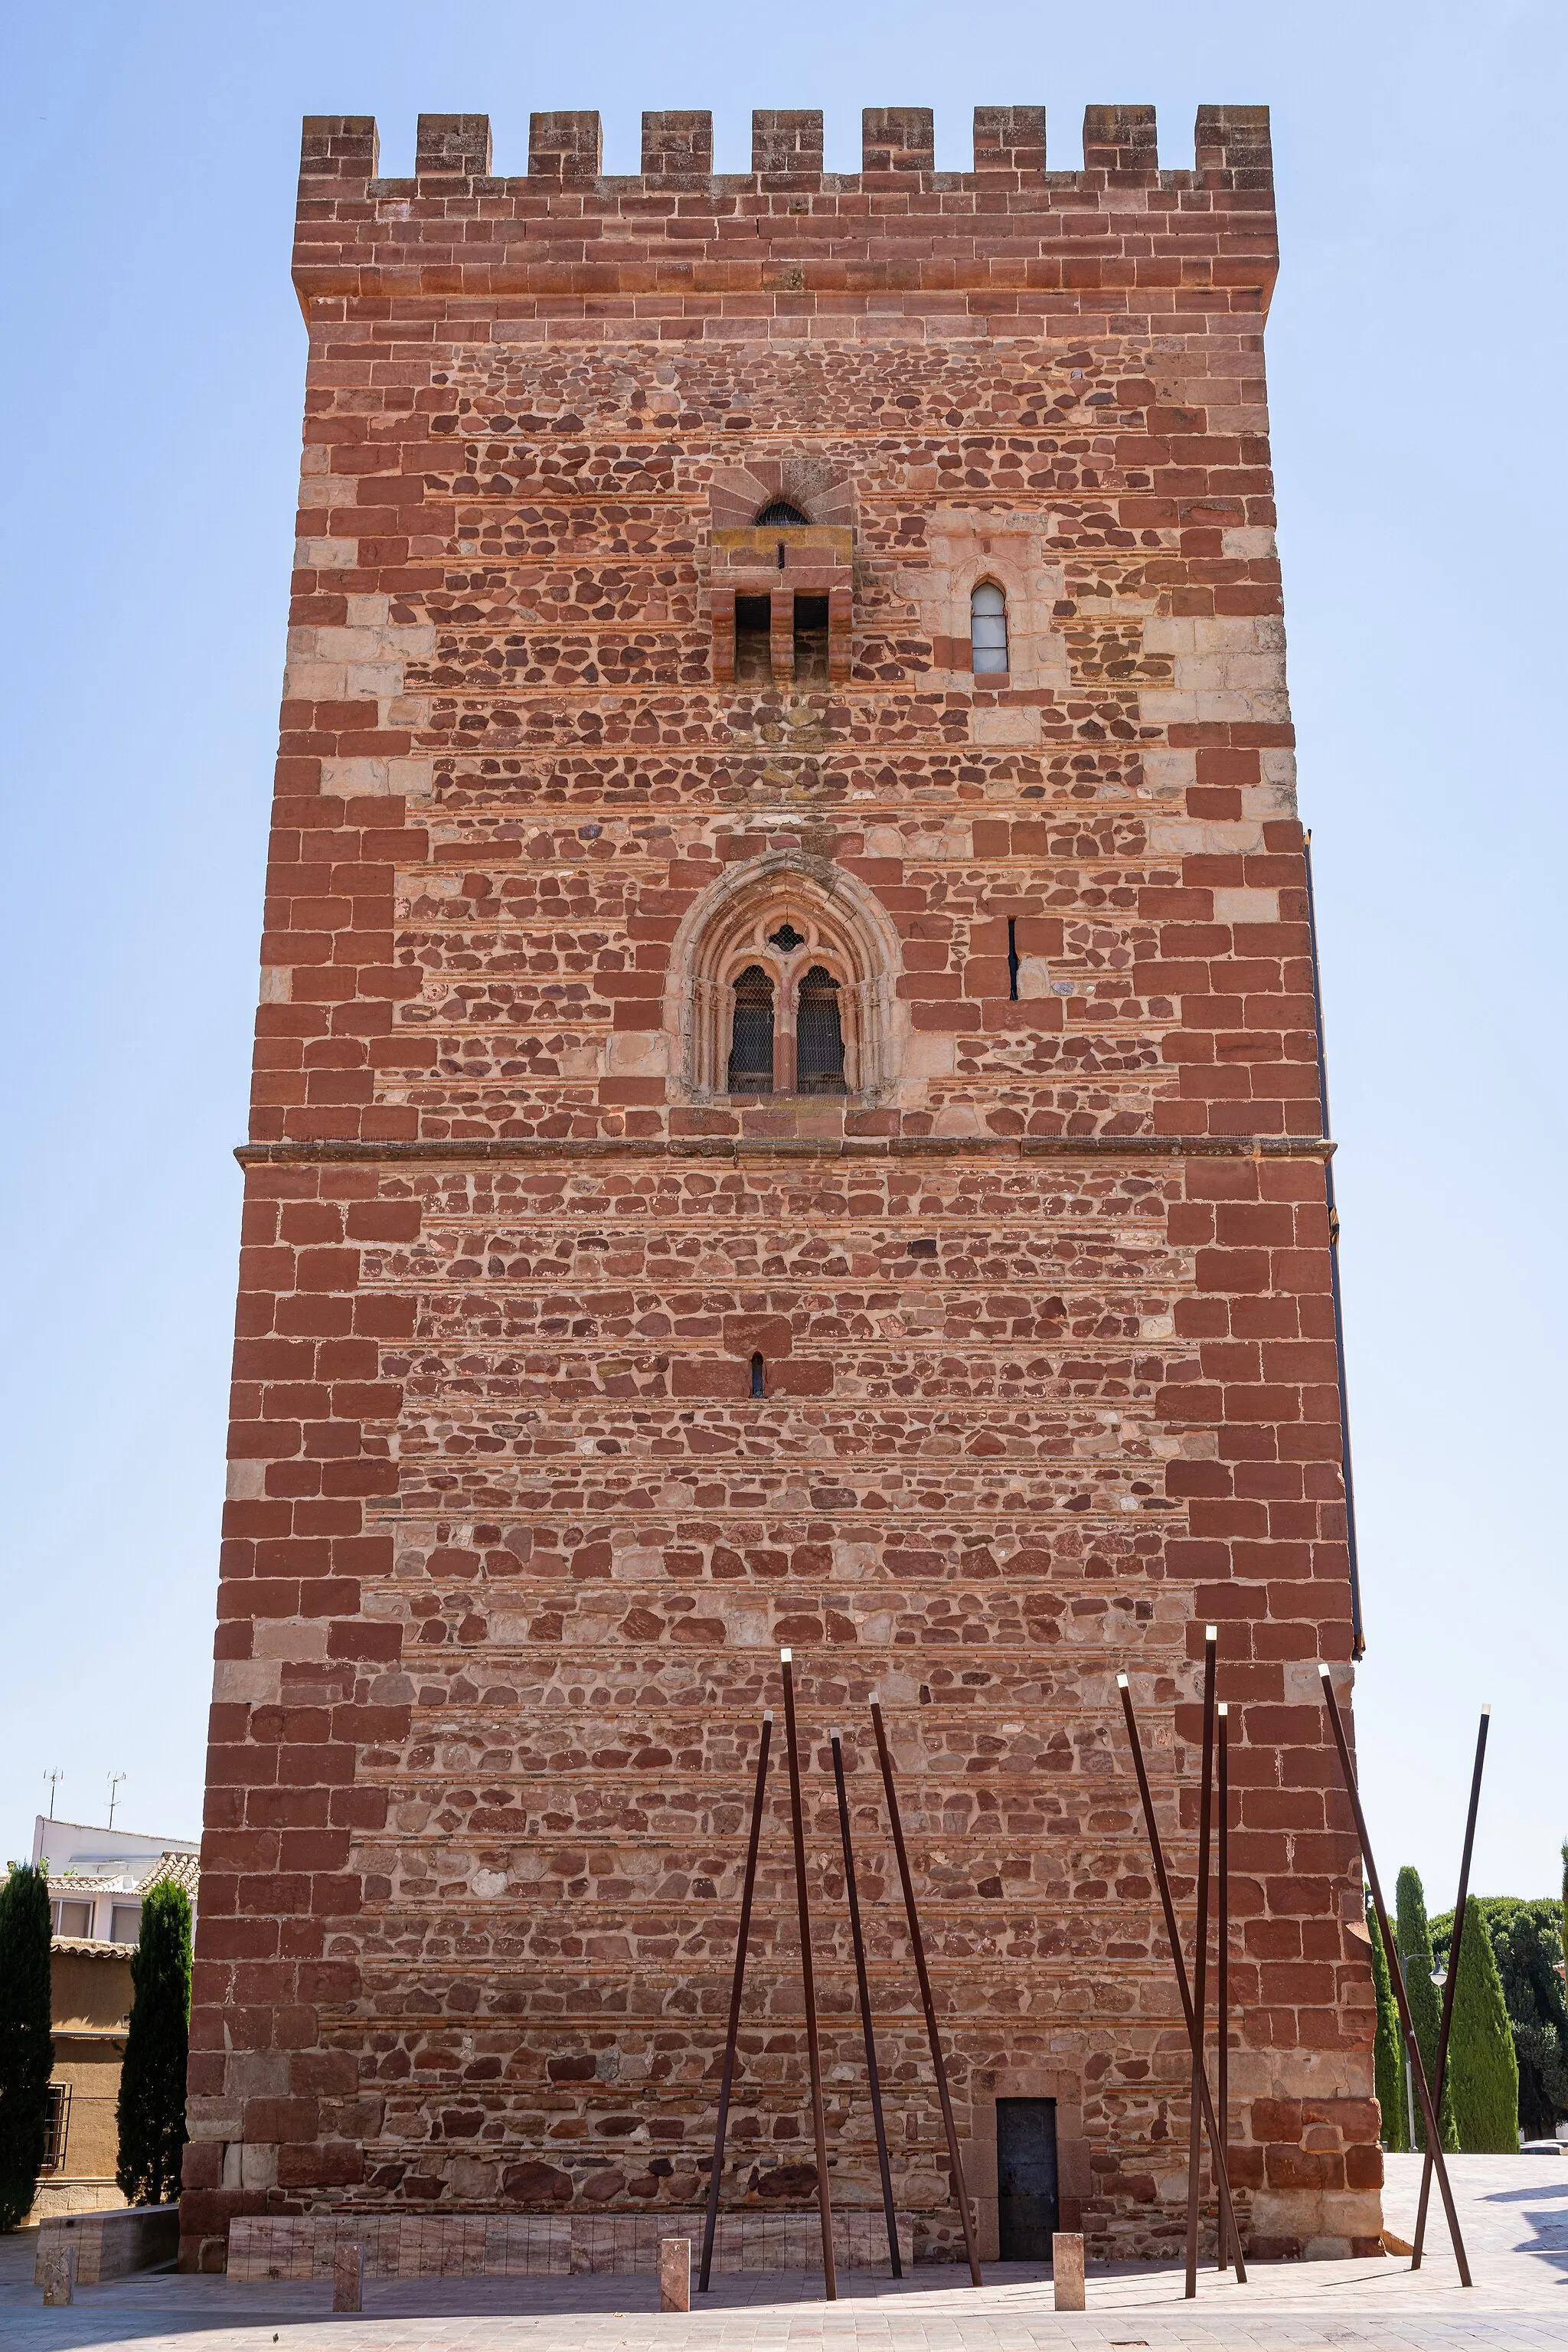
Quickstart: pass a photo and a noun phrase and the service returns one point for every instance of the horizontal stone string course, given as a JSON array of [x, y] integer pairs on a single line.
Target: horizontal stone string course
[[1037, 1290], [485, 1149]]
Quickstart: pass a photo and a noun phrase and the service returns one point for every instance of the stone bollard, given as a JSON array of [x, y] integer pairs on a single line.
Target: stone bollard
[[674, 2275], [348, 2278], [60, 2274], [1066, 2270]]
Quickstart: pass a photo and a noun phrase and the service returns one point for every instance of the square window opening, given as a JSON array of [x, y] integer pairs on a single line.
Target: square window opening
[[811, 639], [753, 644]]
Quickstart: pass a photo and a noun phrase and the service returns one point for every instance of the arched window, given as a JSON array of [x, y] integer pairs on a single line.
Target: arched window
[[779, 511], [751, 1034], [818, 1036], [759, 1378], [987, 628], [783, 983]]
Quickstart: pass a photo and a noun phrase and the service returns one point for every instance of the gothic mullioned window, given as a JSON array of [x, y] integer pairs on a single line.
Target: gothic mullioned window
[[988, 629], [782, 986]]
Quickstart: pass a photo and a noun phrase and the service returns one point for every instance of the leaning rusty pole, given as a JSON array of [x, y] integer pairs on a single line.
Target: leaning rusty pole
[[1195, 2044], [1452, 1978], [1413, 2049], [808, 1986], [864, 1990], [710, 2222], [955, 2161]]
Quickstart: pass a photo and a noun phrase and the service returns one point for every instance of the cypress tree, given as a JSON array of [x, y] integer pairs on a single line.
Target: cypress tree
[[1483, 2071], [1528, 1951], [1413, 1937], [151, 2112], [27, 2045], [1390, 2088]]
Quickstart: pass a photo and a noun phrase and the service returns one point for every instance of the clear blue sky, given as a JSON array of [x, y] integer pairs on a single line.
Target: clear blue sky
[[1416, 358]]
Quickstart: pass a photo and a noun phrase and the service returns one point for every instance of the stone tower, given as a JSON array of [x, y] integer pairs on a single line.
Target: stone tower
[[787, 1109]]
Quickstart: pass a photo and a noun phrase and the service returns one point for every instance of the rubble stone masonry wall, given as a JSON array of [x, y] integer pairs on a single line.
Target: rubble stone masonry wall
[[1043, 1300]]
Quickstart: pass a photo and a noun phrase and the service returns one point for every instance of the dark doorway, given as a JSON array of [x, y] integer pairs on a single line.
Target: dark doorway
[[1028, 2210]]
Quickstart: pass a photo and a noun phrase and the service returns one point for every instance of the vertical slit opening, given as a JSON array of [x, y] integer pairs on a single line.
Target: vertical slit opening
[[1012, 958], [759, 1386]]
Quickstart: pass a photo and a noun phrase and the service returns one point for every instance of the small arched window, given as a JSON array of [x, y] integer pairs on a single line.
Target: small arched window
[[779, 512], [759, 1377], [751, 1034], [818, 1036], [988, 628]]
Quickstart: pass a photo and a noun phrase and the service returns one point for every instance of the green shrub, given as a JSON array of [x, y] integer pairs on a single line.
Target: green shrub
[[1483, 2071], [1526, 1943], [152, 2079], [26, 2045], [1413, 1939], [1385, 2050]]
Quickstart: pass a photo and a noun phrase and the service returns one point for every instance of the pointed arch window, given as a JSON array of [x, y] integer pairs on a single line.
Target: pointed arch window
[[988, 629], [818, 1036], [751, 1034]]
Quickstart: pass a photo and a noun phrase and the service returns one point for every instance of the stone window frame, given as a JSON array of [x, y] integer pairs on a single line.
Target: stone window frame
[[842, 927], [1001, 672]]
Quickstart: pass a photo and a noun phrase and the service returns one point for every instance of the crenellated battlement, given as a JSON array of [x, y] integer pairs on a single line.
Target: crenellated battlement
[[1116, 222], [1231, 146]]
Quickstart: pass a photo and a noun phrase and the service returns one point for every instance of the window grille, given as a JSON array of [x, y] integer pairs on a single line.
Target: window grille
[[57, 2128], [988, 629], [818, 1036], [751, 1038], [779, 511], [786, 939], [759, 1385]]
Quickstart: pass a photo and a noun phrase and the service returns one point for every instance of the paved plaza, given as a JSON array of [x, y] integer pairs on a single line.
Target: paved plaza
[[1514, 2213]]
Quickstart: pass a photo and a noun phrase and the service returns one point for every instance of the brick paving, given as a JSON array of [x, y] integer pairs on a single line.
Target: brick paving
[[1514, 2211]]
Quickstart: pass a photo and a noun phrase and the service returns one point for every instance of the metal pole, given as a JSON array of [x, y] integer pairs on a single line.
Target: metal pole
[[871, 2073], [1216, 2157], [748, 1885], [1222, 1960], [808, 1986], [1413, 2047], [1199, 1965], [955, 2161], [1451, 1983]]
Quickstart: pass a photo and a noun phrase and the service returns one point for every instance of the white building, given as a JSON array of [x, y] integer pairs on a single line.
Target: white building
[[97, 1876]]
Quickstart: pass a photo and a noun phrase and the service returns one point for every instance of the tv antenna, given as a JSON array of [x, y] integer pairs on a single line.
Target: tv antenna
[[115, 1781], [52, 1777]]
